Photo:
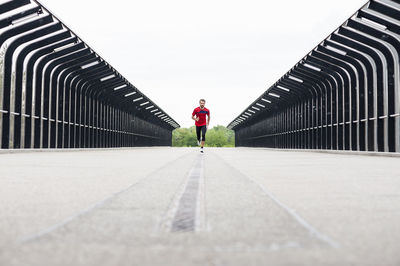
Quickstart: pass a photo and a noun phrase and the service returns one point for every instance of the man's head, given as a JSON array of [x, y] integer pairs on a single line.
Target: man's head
[[202, 103]]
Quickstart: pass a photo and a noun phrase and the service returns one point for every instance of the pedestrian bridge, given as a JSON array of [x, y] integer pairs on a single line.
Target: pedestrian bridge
[[175, 206], [328, 196]]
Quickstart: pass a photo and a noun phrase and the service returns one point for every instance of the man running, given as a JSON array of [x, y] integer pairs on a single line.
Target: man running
[[199, 116]]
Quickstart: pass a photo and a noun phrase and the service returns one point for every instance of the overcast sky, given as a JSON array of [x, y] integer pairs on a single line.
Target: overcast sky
[[178, 51]]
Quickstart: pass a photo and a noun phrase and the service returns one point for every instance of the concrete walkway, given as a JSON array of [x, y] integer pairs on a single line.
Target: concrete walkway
[[175, 206]]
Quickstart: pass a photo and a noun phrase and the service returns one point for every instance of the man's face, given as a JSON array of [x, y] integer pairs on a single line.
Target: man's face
[[202, 103]]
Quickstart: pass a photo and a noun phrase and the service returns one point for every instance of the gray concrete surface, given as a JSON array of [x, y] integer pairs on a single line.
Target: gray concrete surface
[[232, 206]]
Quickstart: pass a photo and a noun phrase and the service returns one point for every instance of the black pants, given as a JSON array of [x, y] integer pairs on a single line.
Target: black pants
[[203, 130]]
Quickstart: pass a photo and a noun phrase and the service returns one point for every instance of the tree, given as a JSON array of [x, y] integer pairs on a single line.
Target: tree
[[218, 136]]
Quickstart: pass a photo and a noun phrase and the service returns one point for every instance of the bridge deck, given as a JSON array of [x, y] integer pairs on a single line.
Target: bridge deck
[[174, 206]]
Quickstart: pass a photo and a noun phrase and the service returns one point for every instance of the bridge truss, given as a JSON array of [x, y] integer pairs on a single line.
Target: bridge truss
[[56, 92], [343, 95]]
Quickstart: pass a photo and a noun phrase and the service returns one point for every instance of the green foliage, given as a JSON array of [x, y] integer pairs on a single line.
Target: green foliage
[[184, 137], [218, 136]]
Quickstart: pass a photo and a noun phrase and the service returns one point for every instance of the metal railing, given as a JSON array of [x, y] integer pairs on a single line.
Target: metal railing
[[56, 92], [343, 95]]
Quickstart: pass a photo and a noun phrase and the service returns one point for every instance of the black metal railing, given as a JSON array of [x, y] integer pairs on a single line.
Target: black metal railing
[[343, 95], [56, 92]]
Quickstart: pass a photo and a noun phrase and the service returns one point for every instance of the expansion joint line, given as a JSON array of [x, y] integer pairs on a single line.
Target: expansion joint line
[[186, 212]]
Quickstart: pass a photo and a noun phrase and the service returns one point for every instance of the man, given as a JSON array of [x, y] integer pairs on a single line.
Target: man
[[199, 116]]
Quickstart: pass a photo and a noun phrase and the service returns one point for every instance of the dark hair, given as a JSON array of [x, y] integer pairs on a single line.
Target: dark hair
[[202, 100]]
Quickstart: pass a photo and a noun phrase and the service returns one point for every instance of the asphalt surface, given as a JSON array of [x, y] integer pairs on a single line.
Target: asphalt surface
[[175, 206]]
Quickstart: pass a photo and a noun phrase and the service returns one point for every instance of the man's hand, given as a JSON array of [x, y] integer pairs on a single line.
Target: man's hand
[[197, 119]]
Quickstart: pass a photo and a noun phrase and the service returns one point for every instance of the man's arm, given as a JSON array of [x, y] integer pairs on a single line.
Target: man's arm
[[194, 116], [208, 118]]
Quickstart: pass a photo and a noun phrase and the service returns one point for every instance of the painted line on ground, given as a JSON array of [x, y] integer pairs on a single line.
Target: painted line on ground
[[313, 231], [91, 208], [297, 217]]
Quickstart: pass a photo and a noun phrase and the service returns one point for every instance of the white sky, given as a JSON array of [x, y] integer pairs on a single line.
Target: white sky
[[226, 51]]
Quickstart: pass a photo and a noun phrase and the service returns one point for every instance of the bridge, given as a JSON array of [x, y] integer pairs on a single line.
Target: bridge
[[174, 206], [88, 177]]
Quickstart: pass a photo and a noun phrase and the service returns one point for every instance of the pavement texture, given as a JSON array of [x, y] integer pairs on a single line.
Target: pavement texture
[[175, 206]]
